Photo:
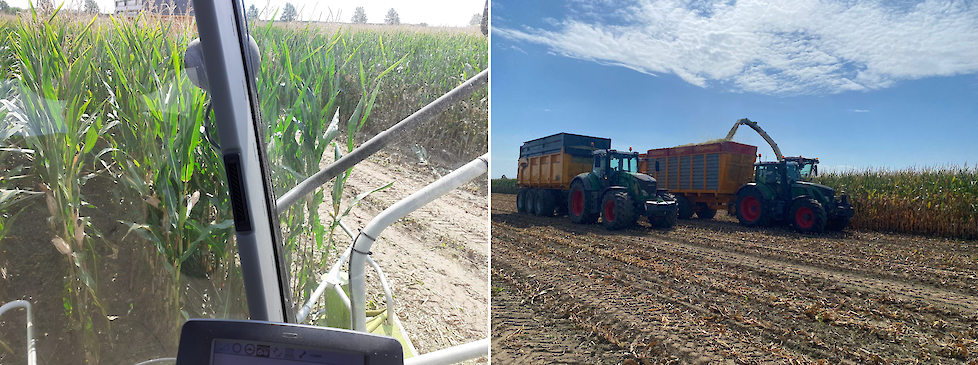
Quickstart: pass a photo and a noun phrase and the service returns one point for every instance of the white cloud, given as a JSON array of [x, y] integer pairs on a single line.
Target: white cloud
[[860, 111], [772, 46]]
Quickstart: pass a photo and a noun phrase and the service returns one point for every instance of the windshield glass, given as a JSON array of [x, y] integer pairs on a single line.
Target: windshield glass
[[115, 221]]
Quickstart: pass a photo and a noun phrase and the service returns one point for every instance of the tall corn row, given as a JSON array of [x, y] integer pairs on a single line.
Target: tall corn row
[[938, 201]]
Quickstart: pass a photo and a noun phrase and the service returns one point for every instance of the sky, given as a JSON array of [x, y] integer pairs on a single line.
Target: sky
[[455, 13], [858, 84]]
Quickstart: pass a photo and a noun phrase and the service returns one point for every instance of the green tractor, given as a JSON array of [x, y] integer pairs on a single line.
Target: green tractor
[[618, 193], [782, 193]]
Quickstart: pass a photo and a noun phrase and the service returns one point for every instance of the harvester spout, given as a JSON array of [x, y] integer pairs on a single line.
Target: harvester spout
[[752, 124]]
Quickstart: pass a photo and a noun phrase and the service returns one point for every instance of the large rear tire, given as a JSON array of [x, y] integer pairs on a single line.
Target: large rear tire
[[543, 205], [808, 216], [577, 205], [617, 210], [521, 200], [703, 211], [751, 208], [685, 207]]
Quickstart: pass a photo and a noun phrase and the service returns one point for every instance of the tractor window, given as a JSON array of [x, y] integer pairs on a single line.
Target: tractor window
[[793, 172], [615, 163], [631, 164], [805, 172], [598, 168], [766, 174]]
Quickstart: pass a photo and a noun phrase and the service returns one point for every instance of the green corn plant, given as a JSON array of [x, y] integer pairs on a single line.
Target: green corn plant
[[53, 113]]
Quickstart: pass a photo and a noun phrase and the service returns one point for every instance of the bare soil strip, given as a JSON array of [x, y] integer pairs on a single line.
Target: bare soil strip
[[715, 292]]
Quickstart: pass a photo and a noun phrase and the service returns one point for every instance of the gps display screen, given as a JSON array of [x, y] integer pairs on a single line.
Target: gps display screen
[[238, 352]]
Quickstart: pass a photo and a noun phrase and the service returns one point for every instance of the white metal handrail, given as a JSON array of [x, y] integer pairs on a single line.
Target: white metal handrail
[[31, 347]]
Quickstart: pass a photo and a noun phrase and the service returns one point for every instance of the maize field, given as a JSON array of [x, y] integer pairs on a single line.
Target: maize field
[[110, 174], [937, 201]]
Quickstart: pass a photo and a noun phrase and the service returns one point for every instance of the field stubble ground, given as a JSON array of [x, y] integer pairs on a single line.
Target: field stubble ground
[[716, 292]]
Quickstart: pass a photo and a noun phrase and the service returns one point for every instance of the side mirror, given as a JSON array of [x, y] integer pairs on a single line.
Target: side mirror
[[656, 165]]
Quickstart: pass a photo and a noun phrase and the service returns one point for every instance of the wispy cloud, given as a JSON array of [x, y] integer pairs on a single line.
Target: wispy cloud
[[860, 111], [771, 46]]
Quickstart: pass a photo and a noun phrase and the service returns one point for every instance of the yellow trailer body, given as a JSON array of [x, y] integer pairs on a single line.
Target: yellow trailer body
[[552, 162], [708, 174]]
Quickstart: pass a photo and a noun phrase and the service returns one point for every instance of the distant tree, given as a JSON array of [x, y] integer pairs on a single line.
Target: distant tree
[[252, 12], [392, 17], [91, 7], [289, 13], [359, 16], [476, 19], [485, 20], [4, 8]]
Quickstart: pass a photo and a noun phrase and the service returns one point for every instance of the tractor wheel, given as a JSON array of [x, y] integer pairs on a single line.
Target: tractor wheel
[[577, 207], [617, 210], [703, 211], [521, 200], [837, 224], [685, 208], [530, 200], [751, 210], [544, 203], [808, 216]]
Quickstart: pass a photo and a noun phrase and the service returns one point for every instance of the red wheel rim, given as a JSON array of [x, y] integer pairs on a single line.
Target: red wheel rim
[[804, 218], [750, 208], [577, 203], [609, 211]]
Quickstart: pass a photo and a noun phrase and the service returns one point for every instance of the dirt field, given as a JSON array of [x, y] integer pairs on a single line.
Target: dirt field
[[716, 292]]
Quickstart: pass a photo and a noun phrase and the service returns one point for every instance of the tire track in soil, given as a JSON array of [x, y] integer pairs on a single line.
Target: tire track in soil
[[782, 310], [526, 331]]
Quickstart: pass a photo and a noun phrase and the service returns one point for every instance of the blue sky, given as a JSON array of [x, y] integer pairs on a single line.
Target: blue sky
[[855, 83]]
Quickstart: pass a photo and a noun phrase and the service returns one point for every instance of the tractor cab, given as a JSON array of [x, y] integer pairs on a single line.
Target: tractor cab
[[610, 162], [801, 168]]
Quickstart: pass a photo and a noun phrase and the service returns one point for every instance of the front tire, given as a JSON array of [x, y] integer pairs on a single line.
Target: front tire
[[808, 216], [577, 205], [751, 209], [617, 210]]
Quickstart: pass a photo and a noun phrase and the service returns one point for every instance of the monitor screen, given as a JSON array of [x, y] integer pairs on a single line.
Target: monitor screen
[[239, 352]]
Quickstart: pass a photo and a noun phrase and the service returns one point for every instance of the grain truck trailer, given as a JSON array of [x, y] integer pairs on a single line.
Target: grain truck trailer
[[583, 177], [703, 177]]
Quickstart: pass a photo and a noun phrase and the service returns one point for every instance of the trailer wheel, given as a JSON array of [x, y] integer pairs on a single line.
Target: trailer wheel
[[685, 208], [808, 216], [617, 210], [521, 200], [543, 205], [703, 211], [577, 207], [751, 210]]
